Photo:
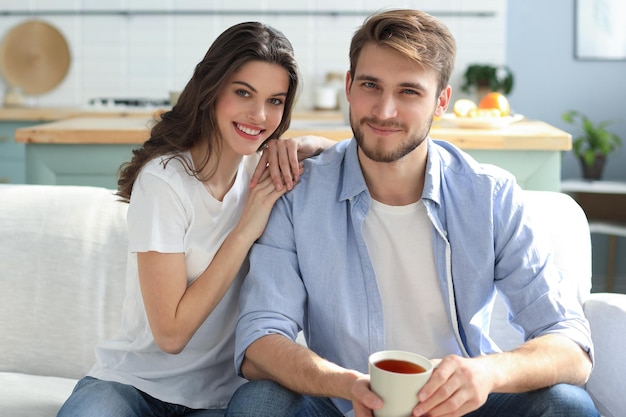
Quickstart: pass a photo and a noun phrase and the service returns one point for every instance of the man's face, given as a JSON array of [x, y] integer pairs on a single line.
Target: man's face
[[392, 103]]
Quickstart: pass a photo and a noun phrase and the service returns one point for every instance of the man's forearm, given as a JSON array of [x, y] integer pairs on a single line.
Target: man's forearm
[[294, 366], [539, 363]]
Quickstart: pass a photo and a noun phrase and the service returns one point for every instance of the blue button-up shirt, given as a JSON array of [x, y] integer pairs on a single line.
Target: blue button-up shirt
[[311, 269]]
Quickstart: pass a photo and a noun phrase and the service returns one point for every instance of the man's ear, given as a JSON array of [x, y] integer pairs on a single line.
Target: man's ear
[[443, 101], [348, 84]]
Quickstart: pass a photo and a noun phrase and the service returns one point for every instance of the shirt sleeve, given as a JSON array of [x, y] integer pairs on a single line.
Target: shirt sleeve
[[273, 296], [529, 279], [156, 216]]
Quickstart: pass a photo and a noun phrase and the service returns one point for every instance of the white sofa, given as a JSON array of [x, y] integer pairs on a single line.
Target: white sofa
[[62, 268]]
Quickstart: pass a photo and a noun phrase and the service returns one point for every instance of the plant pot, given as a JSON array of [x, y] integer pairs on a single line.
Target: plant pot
[[594, 172], [481, 92]]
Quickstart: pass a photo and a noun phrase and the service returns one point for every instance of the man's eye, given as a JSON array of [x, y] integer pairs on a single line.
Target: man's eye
[[369, 84], [410, 92]]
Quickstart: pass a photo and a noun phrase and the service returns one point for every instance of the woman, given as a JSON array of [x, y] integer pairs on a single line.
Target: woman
[[194, 212]]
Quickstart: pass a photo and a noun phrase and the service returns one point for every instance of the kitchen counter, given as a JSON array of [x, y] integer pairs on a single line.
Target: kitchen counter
[[529, 149], [522, 135], [13, 153]]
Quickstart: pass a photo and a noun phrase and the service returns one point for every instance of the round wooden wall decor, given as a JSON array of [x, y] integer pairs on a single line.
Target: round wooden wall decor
[[35, 57]]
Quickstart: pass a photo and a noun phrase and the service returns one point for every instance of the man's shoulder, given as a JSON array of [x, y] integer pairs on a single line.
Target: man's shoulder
[[458, 162], [330, 158], [322, 173]]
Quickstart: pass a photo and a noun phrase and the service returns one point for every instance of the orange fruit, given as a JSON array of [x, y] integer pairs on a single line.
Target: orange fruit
[[495, 100], [462, 107]]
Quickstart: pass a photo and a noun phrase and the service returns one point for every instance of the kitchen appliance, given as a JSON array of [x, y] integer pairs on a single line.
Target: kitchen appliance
[[128, 102]]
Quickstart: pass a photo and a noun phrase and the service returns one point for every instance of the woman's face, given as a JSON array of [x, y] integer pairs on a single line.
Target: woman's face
[[251, 104]]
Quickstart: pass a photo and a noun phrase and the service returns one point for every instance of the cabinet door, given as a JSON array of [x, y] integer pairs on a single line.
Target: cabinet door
[[12, 154], [94, 165]]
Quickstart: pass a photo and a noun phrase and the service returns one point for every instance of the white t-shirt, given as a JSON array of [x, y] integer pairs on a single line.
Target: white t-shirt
[[170, 211], [399, 241]]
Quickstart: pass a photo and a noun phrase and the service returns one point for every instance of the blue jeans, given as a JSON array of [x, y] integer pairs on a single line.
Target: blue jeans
[[268, 399], [96, 398]]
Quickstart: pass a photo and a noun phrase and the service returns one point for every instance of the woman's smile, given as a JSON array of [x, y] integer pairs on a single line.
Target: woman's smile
[[248, 131]]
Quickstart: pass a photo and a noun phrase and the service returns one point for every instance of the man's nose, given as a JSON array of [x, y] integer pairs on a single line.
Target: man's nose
[[386, 107]]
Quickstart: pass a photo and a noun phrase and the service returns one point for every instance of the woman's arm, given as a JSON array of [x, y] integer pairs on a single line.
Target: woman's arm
[[176, 311]]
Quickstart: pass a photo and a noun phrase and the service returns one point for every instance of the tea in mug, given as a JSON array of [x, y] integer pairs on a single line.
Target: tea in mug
[[399, 366]]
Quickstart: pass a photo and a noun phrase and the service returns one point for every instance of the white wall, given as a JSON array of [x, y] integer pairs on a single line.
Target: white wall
[[550, 81], [141, 55]]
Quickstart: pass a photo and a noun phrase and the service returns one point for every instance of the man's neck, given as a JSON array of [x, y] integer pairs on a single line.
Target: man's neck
[[396, 183]]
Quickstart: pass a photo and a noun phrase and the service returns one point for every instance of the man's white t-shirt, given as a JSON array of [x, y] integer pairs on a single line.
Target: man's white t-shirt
[[170, 211], [399, 242]]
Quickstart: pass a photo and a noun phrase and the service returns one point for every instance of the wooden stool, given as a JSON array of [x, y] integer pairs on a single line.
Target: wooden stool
[[613, 230], [604, 203]]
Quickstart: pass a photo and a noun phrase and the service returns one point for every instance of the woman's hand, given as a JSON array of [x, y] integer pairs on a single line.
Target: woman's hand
[[257, 208], [283, 159]]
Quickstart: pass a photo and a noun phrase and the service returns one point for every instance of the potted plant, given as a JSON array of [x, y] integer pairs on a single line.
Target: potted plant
[[484, 78], [593, 146]]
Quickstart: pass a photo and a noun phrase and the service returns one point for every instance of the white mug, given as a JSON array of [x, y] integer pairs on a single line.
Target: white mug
[[400, 381]]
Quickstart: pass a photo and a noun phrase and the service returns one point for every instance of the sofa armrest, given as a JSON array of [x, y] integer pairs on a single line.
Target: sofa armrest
[[606, 313]]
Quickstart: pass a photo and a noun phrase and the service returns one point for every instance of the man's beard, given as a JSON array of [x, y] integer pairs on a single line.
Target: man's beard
[[378, 155]]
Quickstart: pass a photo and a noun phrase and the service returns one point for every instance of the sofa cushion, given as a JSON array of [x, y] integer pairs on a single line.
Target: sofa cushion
[[63, 254], [42, 398], [607, 317]]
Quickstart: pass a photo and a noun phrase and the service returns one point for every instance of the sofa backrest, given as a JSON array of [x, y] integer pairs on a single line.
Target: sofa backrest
[[63, 255]]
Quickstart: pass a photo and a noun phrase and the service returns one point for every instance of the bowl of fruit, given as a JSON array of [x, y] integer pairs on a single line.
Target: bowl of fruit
[[492, 112]]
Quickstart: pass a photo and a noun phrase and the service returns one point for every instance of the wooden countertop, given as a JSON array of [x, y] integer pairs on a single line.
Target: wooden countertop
[[522, 135], [51, 114]]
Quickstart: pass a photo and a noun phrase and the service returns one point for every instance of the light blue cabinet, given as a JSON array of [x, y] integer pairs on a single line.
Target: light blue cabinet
[[69, 164], [90, 151], [12, 154], [533, 170]]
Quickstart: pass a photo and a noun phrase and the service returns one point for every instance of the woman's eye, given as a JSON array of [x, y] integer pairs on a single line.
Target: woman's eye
[[242, 93], [275, 101]]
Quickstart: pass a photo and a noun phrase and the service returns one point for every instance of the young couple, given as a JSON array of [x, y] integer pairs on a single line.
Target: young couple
[[388, 225]]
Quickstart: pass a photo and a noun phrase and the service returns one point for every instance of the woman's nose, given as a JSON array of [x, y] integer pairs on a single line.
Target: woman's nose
[[256, 112]]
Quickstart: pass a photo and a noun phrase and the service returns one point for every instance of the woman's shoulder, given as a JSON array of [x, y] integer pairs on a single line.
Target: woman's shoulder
[[168, 166]]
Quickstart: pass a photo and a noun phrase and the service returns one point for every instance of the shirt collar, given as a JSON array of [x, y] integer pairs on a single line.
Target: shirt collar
[[354, 182], [434, 168]]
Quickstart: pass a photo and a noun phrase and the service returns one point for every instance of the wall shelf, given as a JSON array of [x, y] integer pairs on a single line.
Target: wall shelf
[[331, 13]]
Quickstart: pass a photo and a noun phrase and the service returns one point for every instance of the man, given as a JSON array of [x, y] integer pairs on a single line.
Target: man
[[396, 241]]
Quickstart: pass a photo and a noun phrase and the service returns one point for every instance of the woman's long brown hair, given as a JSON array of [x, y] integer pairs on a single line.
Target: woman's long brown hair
[[193, 118]]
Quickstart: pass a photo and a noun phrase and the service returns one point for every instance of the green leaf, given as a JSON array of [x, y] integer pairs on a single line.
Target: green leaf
[[596, 139]]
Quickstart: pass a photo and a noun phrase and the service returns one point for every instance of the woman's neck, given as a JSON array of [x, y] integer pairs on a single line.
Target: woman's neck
[[224, 167]]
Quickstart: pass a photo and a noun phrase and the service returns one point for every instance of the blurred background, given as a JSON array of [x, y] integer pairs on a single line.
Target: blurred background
[[145, 49]]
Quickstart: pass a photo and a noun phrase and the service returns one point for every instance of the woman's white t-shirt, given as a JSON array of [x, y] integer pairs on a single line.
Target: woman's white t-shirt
[[170, 211]]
